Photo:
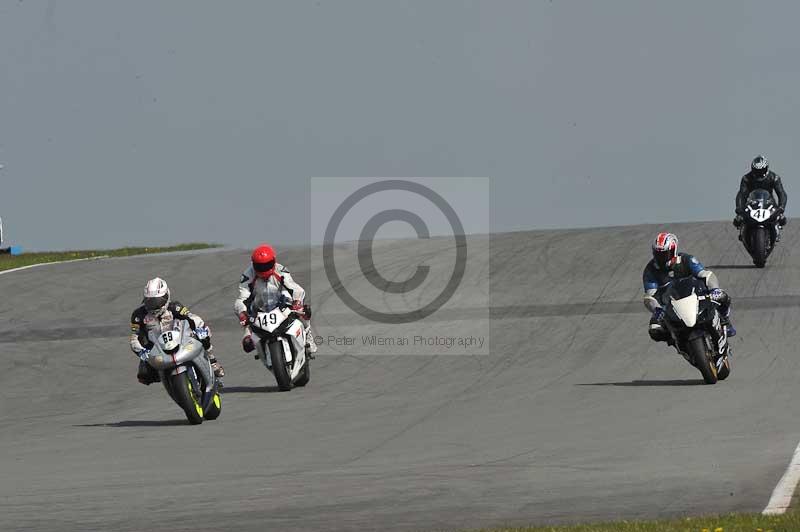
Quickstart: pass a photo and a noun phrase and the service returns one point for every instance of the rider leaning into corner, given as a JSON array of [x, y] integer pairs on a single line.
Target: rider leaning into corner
[[760, 177], [668, 264], [155, 315], [263, 285]]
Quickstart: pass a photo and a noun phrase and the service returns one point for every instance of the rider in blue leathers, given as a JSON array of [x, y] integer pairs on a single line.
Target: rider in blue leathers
[[668, 264]]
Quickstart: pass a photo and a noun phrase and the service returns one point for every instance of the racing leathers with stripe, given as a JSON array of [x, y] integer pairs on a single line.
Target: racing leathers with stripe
[[257, 293], [657, 279], [145, 326]]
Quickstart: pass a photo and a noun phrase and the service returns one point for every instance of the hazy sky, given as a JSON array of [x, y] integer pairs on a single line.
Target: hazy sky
[[158, 122]]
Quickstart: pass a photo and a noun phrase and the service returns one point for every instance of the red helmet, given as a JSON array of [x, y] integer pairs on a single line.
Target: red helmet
[[263, 258]]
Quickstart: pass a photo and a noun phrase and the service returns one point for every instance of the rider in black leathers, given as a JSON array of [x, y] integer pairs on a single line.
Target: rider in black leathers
[[760, 176]]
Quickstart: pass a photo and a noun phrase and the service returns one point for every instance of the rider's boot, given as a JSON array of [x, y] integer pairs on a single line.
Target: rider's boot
[[146, 374], [658, 333], [219, 371], [729, 328], [725, 321], [311, 345]]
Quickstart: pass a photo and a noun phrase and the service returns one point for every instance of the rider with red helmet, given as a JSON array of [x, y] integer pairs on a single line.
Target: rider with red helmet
[[268, 281]]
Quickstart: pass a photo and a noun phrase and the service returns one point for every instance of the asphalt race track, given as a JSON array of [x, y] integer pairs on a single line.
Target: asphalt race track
[[574, 416]]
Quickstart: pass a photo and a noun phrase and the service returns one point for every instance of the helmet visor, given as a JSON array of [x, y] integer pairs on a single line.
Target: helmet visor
[[264, 267], [155, 303], [663, 257]]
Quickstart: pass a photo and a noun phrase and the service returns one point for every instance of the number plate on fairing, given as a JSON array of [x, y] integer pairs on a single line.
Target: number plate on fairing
[[269, 321], [760, 215]]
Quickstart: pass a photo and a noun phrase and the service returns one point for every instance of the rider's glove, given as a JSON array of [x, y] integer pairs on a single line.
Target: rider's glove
[[144, 354], [201, 333], [738, 221], [297, 306], [243, 319], [658, 314], [247, 344]]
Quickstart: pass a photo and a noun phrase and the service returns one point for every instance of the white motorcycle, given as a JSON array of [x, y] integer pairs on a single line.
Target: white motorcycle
[[281, 346], [696, 331]]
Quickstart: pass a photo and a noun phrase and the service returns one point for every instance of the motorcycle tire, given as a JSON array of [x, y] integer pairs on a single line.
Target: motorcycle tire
[[725, 370], [279, 366], [701, 360], [214, 407], [186, 397], [758, 246], [305, 374]]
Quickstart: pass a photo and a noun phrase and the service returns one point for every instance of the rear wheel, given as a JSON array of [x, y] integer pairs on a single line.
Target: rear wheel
[[758, 246], [701, 360], [305, 374], [724, 370], [280, 367], [187, 397], [214, 407]]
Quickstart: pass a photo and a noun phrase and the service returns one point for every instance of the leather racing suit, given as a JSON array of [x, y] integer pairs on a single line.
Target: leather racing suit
[[258, 293], [656, 280], [145, 325]]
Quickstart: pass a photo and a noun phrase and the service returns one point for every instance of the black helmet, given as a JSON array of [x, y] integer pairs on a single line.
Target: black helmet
[[759, 167]]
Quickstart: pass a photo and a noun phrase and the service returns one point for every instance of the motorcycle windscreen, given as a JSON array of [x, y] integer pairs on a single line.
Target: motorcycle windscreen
[[759, 195], [686, 309]]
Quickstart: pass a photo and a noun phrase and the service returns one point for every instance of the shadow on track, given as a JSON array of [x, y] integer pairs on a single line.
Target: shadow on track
[[681, 382], [731, 267], [139, 423], [249, 389]]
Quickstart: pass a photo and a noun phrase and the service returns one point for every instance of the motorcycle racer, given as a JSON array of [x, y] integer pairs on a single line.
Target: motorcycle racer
[[760, 177], [264, 284], [156, 313], [668, 264]]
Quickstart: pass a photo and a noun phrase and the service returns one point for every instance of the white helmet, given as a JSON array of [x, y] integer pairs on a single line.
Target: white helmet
[[156, 296]]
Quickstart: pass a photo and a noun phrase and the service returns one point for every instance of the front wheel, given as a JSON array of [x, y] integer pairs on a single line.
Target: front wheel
[[758, 246], [187, 397], [279, 366], [701, 360]]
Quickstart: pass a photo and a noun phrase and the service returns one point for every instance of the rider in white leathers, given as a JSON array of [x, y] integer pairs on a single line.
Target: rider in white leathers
[[263, 285], [156, 313]]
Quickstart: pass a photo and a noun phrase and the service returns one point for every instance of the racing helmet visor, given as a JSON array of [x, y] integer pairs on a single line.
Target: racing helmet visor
[[154, 303], [264, 267], [663, 257]]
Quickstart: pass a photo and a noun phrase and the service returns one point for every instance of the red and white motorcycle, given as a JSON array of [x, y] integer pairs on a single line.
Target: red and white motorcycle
[[281, 345]]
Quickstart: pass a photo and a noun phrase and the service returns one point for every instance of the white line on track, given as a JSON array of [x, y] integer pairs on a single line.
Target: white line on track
[[782, 495], [54, 262]]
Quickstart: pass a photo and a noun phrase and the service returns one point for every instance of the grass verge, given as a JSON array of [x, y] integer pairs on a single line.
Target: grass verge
[[726, 523], [8, 262]]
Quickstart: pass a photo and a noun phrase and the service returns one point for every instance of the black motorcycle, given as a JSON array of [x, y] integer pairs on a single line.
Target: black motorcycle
[[759, 230], [693, 322]]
